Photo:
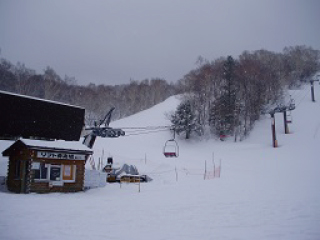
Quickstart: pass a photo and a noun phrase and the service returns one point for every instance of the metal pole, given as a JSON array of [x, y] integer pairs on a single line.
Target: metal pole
[[273, 128], [312, 91], [286, 127]]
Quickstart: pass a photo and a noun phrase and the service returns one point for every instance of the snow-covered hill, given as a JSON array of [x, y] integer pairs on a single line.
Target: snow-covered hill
[[263, 192]]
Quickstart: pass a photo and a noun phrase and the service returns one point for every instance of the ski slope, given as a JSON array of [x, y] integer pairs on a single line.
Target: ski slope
[[263, 192]]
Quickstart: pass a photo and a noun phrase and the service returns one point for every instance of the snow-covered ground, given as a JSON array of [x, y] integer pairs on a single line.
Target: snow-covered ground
[[263, 192]]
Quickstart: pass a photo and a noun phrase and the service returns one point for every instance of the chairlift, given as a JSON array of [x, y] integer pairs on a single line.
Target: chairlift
[[171, 148], [222, 137], [292, 105], [289, 117]]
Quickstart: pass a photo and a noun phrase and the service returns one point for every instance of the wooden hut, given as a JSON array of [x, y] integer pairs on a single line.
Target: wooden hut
[[46, 166]]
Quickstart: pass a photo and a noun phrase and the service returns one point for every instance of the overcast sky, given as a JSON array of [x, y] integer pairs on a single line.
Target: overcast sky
[[110, 42]]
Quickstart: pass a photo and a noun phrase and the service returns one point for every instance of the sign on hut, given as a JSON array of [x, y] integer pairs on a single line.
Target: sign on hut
[[46, 166]]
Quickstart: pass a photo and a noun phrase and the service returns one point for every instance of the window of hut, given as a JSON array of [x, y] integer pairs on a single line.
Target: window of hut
[[69, 172], [41, 172]]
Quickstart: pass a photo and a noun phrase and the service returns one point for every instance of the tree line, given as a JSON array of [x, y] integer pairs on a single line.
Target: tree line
[[224, 96], [96, 99]]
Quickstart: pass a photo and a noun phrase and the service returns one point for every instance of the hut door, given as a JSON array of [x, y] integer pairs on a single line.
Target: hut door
[[55, 173]]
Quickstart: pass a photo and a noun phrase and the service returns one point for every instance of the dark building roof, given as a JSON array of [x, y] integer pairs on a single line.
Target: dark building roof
[[27, 117]]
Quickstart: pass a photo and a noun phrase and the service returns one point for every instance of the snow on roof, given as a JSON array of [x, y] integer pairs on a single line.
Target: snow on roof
[[57, 144], [39, 99]]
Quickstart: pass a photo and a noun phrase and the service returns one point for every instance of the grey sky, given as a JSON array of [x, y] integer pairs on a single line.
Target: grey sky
[[110, 42]]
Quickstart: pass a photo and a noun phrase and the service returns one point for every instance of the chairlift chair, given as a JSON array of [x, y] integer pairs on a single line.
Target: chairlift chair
[[222, 137], [171, 148], [291, 107], [289, 117]]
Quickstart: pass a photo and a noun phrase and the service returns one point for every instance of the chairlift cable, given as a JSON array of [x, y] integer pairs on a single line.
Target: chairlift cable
[[147, 127], [297, 92], [297, 95], [302, 99], [145, 132]]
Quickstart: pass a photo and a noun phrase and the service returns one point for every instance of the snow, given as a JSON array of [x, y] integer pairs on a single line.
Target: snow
[[58, 144], [263, 192]]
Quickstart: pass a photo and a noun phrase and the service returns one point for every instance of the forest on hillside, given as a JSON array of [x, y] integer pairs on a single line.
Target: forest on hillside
[[96, 99], [226, 96], [223, 96]]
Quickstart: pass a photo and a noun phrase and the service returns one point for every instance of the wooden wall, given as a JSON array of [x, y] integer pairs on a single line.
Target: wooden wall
[[44, 187], [25, 182], [21, 183]]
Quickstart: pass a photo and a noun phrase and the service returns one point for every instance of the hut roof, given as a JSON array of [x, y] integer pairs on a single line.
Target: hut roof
[[57, 145]]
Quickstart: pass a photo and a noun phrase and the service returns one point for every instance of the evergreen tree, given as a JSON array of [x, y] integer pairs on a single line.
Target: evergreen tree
[[222, 113], [184, 119], [229, 96]]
